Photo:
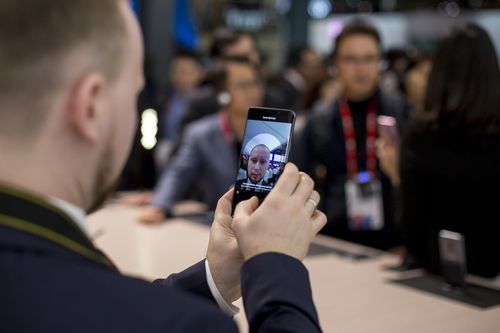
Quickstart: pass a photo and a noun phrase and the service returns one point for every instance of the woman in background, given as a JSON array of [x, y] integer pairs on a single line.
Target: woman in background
[[450, 156]]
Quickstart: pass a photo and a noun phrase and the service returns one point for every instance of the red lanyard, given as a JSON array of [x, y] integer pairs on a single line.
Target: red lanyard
[[350, 138], [226, 128]]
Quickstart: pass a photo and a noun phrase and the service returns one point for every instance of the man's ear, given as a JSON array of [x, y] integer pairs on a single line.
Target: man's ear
[[83, 106]]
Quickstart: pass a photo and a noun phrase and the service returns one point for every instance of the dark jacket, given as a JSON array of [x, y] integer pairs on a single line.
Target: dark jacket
[[53, 279], [283, 95], [205, 163], [324, 157], [451, 181]]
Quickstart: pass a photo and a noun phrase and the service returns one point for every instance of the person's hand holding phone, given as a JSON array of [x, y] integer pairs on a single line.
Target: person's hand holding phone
[[286, 222], [388, 156], [223, 255]]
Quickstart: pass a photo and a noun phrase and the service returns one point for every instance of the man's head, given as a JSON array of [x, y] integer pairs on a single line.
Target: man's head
[[241, 80], [71, 71], [357, 58], [228, 43], [258, 163], [186, 71]]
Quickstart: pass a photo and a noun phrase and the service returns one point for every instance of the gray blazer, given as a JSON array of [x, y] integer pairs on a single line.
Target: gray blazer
[[206, 164]]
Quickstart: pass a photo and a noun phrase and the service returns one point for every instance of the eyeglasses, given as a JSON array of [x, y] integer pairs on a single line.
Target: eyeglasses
[[246, 85], [351, 60]]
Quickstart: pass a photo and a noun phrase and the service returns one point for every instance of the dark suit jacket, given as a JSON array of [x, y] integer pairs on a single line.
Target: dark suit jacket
[[323, 146], [54, 280], [205, 163]]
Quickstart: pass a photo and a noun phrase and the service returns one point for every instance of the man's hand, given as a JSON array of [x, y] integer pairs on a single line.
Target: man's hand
[[152, 215], [286, 222], [388, 156], [223, 255], [136, 199]]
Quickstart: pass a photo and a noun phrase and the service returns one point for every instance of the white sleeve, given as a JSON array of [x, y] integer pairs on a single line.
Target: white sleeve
[[227, 308]]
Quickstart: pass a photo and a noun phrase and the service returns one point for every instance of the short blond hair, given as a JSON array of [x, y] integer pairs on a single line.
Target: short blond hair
[[37, 37]]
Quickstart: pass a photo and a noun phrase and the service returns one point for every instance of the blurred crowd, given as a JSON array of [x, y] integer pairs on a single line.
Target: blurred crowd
[[438, 170]]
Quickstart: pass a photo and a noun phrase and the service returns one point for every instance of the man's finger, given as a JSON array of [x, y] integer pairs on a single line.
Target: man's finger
[[224, 205], [246, 208], [318, 221], [304, 188], [288, 180], [312, 203]]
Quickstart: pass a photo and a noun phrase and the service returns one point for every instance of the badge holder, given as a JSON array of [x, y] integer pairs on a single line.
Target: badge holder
[[364, 203]]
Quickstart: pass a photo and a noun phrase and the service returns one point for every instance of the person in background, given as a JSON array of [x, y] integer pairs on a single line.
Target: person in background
[[338, 145], [450, 156], [209, 152], [186, 74], [415, 83], [229, 43], [393, 78], [326, 89], [303, 69], [209, 100]]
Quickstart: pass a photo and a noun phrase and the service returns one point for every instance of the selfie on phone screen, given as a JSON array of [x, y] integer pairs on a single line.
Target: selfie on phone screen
[[264, 153]]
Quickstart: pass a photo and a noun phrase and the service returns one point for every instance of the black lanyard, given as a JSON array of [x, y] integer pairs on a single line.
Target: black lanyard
[[34, 215]]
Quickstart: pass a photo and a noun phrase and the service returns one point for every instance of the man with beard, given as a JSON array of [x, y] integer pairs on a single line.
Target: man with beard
[[71, 71]]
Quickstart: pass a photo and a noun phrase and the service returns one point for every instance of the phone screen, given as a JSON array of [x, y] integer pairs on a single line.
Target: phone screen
[[264, 152]]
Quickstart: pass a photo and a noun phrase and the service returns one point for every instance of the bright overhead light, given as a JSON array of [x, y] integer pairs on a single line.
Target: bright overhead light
[[319, 9], [149, 128], [283, 6]]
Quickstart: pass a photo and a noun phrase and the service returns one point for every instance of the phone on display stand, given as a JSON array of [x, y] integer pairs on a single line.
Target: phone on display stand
[[452, 254], [264, 152]]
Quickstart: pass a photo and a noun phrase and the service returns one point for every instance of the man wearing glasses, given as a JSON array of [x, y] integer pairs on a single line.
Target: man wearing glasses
[[342, 134]]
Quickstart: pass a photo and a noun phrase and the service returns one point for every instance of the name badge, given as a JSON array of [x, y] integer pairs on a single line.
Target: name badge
[[365, 210]]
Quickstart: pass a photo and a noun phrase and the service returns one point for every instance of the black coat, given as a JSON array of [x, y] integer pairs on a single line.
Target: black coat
[[451, 181], [52, 279], [322, 146]]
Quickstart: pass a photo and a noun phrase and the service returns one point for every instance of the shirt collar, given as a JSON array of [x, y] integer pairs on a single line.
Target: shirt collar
[[76, 213], [259, 183]]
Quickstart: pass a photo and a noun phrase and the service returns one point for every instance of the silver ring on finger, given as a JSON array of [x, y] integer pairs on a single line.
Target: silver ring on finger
[[313, 202]]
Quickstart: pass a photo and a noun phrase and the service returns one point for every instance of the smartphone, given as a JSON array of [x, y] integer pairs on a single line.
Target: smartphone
[[452, 255], [388, 129], [264, 152]]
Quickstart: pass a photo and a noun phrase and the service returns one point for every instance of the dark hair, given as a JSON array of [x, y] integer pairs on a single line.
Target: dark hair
[[463, 89], [188, 54], [353, 28], [417, 57], [218, 73], [223, 38], [38, 38], [296, 55]]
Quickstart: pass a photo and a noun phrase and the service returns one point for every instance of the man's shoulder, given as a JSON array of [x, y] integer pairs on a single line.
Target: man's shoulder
[[320, 121], [204, 126], [99, 299], [324, 110]]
